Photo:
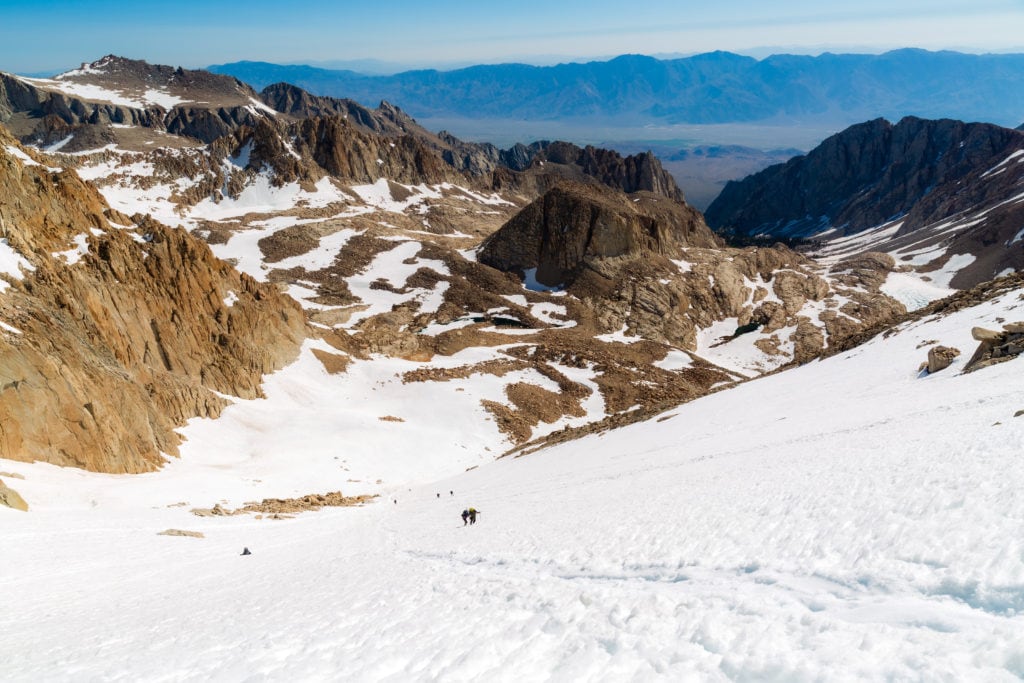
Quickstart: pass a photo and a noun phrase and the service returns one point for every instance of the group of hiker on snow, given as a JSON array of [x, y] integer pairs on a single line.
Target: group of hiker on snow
[[469, 515]]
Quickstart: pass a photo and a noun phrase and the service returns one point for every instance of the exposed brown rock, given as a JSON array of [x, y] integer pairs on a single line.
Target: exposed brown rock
[[930, 174], [118, 350], [334, 363], [181, 532], [312, 502], [573, 225], [940, 358], [995, 347], [215, 511], [10, 498], [985, 335]]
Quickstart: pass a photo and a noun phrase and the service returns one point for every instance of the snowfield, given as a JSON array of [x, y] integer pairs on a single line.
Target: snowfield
[[845, 520]]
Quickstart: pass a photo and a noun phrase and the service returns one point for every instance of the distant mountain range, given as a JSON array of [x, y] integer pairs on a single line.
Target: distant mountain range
[[717, 87]]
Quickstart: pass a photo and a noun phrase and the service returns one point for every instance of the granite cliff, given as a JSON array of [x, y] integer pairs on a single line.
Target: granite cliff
[[116, 330]]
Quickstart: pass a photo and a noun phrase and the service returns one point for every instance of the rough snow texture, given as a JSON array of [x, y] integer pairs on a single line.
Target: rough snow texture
[[848, 519]]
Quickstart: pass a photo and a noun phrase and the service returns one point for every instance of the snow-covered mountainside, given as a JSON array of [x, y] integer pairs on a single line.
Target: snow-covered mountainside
[[547, 334], [849, 519]]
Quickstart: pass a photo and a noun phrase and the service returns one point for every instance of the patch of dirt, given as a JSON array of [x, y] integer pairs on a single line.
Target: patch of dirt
[[288, 242], [181, 532], [498, 368], [536, 404], [333, 363], [509, 421]]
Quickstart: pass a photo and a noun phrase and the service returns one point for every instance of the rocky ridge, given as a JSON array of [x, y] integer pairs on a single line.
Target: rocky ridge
[[944, 186], [133, 104], [116, 330]]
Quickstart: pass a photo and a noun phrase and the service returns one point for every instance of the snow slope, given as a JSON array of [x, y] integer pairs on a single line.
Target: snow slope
[[846, 520]]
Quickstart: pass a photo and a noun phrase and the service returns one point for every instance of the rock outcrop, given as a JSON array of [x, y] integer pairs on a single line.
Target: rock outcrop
[[996, 346], [650, 266], [547, 164], [573, 226], [10, 498], [114, 335]]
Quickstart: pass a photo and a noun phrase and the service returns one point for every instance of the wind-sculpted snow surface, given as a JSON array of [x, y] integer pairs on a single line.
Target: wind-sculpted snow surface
[[846, 520]]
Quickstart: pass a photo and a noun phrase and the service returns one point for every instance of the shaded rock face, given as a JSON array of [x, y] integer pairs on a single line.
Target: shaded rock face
[[573, 225], [297, 103], [106, 351], [345, 152], [546, 164], [867, 175]]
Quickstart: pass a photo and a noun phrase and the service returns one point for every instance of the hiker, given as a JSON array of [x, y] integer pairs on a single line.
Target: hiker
[[439, 495], [473, 512], [465, 517], [451, 493]]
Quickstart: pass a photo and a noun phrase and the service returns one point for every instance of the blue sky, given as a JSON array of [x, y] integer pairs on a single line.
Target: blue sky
[[41, 35]]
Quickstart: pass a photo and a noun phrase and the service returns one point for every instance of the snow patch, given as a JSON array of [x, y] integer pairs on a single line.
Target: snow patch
[[530, 282], [162, 98], [12, 263], [74, 255], [913, 292]]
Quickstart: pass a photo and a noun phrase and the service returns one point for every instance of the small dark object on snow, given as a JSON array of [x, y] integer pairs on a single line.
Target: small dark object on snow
[[439, 495], [465, 517], [245, 551], [451, 493]]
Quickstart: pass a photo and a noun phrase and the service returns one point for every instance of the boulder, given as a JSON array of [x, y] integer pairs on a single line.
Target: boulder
[[985, 335], [940, 358], [10, 498]]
